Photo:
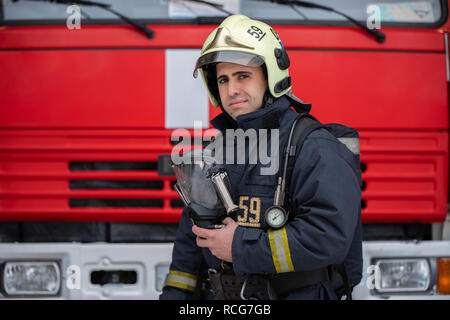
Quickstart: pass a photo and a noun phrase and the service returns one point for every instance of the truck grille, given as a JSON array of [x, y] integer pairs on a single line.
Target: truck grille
[[115, 184], [87, 175]]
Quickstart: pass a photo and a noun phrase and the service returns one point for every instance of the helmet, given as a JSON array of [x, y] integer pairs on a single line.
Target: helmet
[[241, 40]]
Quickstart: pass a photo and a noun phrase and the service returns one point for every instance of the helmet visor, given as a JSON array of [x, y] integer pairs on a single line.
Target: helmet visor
[[241, 58]]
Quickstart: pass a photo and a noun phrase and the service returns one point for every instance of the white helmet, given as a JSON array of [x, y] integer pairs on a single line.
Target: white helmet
[[244, 41]]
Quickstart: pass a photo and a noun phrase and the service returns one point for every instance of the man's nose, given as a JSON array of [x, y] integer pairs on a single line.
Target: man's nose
[[233, 88]]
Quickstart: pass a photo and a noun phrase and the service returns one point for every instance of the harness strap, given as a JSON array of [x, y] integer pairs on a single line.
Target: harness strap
[[265, 287], [342, 271], [201, 276], [283, 283]]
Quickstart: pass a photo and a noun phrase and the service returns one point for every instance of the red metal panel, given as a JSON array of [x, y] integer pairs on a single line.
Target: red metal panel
[[82, 88], [405, 177], [373, 90]]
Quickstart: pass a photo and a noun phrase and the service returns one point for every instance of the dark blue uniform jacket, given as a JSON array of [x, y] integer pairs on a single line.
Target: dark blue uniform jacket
[[324, 225]]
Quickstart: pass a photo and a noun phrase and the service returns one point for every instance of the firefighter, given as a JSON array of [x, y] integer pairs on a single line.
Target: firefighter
[[262, 253]]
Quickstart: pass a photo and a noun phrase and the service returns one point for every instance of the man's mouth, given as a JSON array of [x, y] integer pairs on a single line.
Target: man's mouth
[[237, 103]]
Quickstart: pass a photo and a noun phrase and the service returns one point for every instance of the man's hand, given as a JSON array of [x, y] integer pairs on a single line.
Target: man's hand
[[217, 240]]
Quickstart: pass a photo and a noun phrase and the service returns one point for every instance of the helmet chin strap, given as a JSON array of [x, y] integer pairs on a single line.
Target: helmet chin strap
[[268, 99]]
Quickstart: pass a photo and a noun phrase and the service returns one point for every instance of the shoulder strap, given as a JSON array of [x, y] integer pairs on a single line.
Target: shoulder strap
[[199, 291], [304, 124], [342, 271]]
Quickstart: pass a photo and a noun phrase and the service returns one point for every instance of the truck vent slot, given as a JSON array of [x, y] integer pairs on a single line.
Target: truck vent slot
[[102, 277], [363, 204], [188, 141], [116, 203], [116, 184], [111, 183], [363, 166], [176, 203], [112, 165], [363, 185]]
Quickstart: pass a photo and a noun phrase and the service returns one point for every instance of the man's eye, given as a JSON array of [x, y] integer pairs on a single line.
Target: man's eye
[[221, 81], [243, 76]]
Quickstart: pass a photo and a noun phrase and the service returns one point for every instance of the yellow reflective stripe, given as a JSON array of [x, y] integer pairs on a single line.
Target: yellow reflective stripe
[[281, 254], [181, 280]]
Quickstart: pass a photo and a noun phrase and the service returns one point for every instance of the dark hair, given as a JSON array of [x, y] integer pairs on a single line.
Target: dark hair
[[211, 79]]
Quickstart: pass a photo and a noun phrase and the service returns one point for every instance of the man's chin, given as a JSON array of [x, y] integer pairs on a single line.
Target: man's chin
[[237, 113]]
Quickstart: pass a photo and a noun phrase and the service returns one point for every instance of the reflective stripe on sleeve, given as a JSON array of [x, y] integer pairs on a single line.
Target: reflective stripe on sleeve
[[281, 254], [181, 280]]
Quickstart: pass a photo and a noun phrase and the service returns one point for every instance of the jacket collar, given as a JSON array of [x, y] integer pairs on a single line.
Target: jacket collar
[[265, 118]]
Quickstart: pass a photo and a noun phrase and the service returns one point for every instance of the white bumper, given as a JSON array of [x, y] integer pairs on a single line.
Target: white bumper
[[144, 259]]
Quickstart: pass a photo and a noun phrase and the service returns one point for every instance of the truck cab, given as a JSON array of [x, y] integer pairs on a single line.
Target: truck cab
[[92, 95]]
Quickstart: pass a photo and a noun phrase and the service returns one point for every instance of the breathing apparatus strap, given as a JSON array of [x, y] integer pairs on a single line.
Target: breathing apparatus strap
[[199, 290], [303, 125]]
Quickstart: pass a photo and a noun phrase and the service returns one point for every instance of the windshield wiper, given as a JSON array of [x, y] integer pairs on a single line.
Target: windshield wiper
[[380, 36], [140, 26]]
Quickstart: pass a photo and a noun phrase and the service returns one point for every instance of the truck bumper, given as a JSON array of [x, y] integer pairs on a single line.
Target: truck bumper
[[428, 250], [150, 262], [147, 263]]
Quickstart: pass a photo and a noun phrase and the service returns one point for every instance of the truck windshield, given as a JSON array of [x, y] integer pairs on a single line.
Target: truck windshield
[[393, 13]]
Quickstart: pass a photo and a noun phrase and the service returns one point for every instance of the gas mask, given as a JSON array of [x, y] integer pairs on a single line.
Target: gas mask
[[204, 188]]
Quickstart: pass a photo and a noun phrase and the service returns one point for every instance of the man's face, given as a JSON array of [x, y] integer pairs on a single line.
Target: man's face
[[241, 89]]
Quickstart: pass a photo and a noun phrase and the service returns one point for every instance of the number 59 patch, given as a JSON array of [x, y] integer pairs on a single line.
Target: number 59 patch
[[251, 214]]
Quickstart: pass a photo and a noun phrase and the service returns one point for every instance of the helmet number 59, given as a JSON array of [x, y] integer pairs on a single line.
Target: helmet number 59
[[256, 32]]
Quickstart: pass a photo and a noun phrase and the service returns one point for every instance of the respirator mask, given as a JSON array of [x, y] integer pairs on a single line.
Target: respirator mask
[[204, 188]]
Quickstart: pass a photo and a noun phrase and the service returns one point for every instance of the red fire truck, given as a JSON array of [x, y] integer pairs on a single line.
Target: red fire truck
[[91, 93]]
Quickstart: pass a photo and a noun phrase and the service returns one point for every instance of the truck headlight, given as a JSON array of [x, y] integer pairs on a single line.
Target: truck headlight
[[31, 278], [403, 275]]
